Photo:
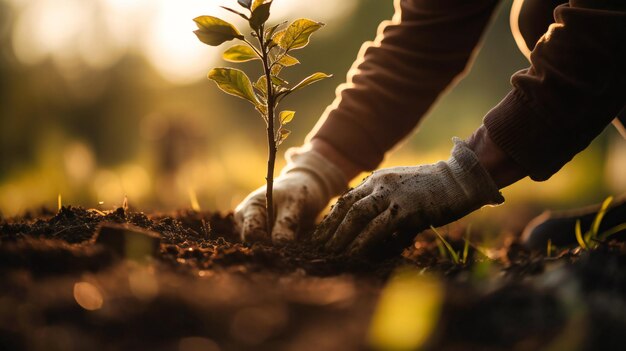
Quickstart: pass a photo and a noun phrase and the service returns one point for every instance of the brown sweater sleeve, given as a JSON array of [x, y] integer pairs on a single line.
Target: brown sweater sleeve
[[575, 86], [397, 78]]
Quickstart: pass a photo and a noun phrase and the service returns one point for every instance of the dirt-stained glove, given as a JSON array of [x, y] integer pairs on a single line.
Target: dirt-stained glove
[[407, 200], [301, 192]]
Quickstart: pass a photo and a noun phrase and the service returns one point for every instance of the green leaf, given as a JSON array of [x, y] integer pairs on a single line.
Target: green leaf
[[279, 36], [214, 31], [279, 81], [286, 117], [245, 3], [270, 31], [240, 53], [276, 70], [236, 12], [315, 77], [287, 60], [261, 85], [256, 4], [297, 35], [283, 134], [263, 111], [260, 15], [234, 82]]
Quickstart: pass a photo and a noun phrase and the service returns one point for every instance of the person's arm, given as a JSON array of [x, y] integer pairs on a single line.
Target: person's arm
[[397, 78], [575, 86], [395, 81]]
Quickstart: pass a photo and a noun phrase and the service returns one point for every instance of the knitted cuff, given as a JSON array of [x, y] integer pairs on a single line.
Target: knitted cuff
[[472, 176], [330, 176]]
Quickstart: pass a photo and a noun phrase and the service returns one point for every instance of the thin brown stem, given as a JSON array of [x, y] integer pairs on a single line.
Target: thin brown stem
[[271, 135]]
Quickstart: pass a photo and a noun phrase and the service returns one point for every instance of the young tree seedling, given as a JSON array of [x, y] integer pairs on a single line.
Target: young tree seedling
[[273, 49]]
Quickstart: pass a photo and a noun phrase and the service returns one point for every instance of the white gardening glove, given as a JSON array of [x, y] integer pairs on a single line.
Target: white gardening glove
[[407, 200], [301, 192]]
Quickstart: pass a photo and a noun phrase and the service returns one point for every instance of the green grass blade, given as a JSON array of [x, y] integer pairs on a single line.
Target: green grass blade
[[442, 250], [468, 232], [451, 252], [595, 227], [605, 235], [579, 236]]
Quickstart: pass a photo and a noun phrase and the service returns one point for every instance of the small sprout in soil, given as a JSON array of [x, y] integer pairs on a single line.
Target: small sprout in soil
[[273, 49], [592, 238], [125, 203], [608, 233], [454, 256], [59, 202], [466, 245]]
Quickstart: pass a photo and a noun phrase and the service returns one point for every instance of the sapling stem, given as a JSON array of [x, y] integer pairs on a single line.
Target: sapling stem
[[271, 133]]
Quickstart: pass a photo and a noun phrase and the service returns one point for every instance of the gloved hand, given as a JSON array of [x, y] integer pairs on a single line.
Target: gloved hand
[[407, 200], [301, 192]]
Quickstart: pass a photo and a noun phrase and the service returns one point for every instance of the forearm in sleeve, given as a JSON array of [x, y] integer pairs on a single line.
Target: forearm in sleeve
[[575, 86], [397, 78]]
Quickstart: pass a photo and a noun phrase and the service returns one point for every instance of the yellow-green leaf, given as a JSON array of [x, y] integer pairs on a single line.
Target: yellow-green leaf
[[260, 14], [297, 35], [287, 61], [234, 82], [240, 53], [214, 31], [276, 69], [284, 133], [269, 32], [261, 84], [315, 77], [279, 36], [286, 116], [256, 4], [279, 81], [262, 110]]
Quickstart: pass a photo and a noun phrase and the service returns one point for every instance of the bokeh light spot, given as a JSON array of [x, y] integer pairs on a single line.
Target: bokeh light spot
[[88, 296]]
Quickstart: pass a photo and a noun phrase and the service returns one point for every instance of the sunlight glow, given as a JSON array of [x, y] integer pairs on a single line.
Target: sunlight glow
[[99, 32]]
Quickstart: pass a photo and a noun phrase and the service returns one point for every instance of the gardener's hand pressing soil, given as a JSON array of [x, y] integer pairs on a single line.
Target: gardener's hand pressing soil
[[301, 192], [407, 200]]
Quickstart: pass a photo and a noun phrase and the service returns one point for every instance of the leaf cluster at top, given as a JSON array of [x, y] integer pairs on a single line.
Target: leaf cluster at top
[[274, 46]]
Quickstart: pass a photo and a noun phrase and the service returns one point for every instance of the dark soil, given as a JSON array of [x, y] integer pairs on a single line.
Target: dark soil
[[64, 287]]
